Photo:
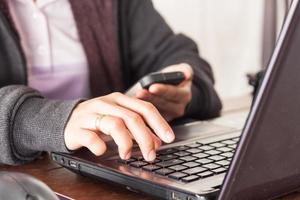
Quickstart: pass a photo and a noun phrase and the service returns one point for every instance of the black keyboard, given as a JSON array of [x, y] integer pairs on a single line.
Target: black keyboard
[[189, 162]]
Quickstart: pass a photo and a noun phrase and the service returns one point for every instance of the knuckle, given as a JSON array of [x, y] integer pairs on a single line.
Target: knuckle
[[135, 118], [116, 94], [92, 104], [149, 107], [116, 124]]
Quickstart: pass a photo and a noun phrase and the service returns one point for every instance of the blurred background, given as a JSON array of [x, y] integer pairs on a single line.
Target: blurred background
[[234, 36]]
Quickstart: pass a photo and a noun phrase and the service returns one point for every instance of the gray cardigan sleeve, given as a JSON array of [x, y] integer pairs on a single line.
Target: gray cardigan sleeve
[[30, 124]]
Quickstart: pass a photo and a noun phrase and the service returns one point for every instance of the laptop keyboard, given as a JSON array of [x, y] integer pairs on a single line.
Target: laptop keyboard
[[189, 162]]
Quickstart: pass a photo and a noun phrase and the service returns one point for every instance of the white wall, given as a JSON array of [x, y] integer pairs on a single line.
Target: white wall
[[228, 34]]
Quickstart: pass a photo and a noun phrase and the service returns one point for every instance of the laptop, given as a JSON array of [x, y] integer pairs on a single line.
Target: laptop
[[213, 160]]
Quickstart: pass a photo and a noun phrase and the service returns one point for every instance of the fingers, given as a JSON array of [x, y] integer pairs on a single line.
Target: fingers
[[92, 141], [156, 140], [150, 114], [178, 93], [77, 135], [171, 92], [88, 121], [116, 128], [169, 109], [161, 103], [136, 126]]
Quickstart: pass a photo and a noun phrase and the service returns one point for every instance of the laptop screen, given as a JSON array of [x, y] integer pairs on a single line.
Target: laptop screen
[[267, 160]]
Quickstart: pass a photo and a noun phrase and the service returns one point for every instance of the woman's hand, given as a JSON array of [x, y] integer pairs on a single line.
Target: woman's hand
[[170, 100], [123, 118]]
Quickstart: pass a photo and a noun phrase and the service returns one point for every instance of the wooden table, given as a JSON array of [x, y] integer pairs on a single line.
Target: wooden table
[[78, 187]]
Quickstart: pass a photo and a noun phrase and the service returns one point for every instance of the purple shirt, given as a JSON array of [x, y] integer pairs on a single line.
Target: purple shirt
[[57, 64]]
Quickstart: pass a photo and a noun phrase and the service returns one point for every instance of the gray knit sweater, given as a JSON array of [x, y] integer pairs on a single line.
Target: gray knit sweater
[[29, 123]]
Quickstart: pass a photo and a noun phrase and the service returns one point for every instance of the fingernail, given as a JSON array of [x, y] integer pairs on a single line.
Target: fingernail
[[170, 136], [151, 155]]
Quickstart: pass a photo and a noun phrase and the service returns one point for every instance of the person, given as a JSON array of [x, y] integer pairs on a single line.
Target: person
[[65, 66]]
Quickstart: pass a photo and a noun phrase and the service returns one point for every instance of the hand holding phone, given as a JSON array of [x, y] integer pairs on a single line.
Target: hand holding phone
[[172, 93]]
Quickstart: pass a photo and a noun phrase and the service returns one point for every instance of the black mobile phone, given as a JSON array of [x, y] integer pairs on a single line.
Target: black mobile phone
[[172, 78]]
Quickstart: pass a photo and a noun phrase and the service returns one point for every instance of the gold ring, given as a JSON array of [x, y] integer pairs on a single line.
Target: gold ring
[[98, 121]]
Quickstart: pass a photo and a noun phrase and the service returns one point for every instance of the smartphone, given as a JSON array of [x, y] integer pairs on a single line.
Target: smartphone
[[172, 78]]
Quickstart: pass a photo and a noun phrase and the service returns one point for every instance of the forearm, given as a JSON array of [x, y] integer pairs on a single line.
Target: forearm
[[30, 124]]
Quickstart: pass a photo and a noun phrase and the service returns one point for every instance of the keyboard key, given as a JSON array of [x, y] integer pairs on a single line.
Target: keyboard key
[[225, 149], [181, 148], [178, 167], [188, 158], [205, 174], [229, 142], [194, 170], [213, 152], [167, 151], [190, 178], [126, 161], [166, 157], [219, 170], [191, 164], [211, 166], [227, 155], [138, 164], [193, 145], [236, 139], [204, 161], [233, 146], [200, 142], [223, 162], [194, 150], [177, 175], [201, 155], [164, 171], [169, 163], [150, 168], [217, 145], [182, 153], [206, 147], [216, 158]]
